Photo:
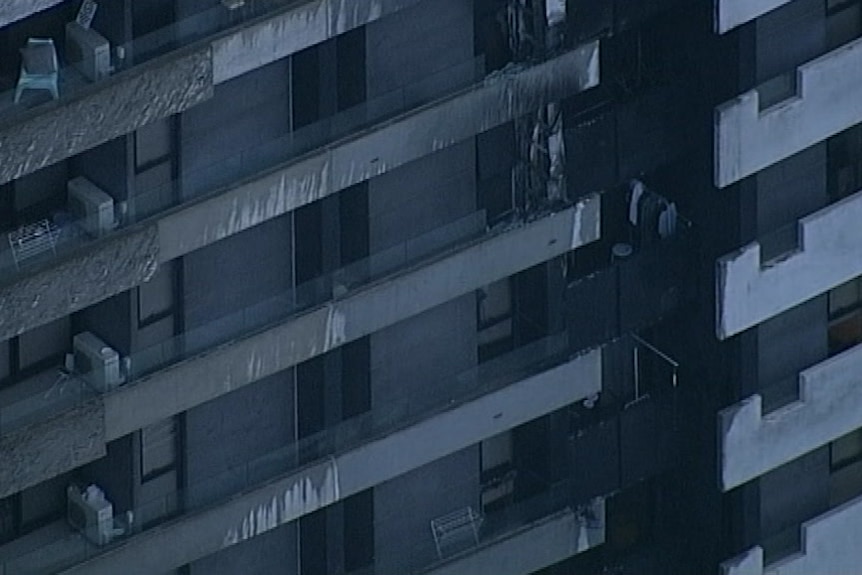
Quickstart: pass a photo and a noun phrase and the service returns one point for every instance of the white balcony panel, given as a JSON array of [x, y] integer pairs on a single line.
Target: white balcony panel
[[732, 13], [826, 102], [830, 545], [829, 254], [829, 406]]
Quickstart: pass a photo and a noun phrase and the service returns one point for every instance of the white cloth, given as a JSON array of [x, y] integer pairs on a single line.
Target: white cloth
[[637, 188]]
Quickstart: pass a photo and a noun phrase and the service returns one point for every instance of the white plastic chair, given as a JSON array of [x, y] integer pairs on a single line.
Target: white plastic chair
[[39, 68]]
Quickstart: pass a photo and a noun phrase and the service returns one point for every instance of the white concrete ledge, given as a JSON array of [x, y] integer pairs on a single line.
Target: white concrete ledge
[[829, 254], [829, 406], [732, 13], [827, 101], [830, 545]]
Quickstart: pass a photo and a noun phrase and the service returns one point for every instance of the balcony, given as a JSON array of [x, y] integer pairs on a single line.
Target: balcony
[[830, 544], [338, 462], [751, 289], [265, 182], [732, 13], [750, 137], [636, 292], [510, 540], [300, 324], [829, 405], [164, 73]]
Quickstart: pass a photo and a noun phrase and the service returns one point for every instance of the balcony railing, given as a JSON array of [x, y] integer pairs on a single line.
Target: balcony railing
[[384, 419], [637, 291], [184, 32], [71, 233], [71, 390]]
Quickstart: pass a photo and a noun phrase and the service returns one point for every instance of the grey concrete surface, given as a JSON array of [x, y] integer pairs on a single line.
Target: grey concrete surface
[[748, 139], [127, 259], [103, 111], [33, 454], [749, 292], [828, 407]]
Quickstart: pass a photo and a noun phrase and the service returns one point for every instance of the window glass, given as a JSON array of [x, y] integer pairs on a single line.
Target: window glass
[[842, 26], [843, 297], [153, 142], [846, 449], [43, 343], [158, 447], [156, 297], [4, 360], [495, 302]]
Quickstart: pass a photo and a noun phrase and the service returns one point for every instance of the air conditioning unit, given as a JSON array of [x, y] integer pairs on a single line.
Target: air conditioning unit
[[88, 51], [96, 362], [90, 513], [91, 205]]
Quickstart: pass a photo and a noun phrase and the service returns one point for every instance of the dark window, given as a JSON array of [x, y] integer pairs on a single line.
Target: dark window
[[353, 213], [846, 450], [305, 87], [159, 448], [310, 397], [845, 316], [312, 543], [359, 530], [9, 518], [156, 297], [350, 55], [355, 378]]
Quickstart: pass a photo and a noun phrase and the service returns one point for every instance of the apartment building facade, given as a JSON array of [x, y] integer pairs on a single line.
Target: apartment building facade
[[428, 286]]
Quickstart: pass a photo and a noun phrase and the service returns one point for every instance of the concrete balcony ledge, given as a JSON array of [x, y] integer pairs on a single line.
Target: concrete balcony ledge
[[532, 548], [383, 303], [829, 406], [103, 111], [171, 83], [35, 299], [732, 13], [748, 139], [14, 10], [189, 382], [289, 31], [286, 498], [830, 545], [829, 253]]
